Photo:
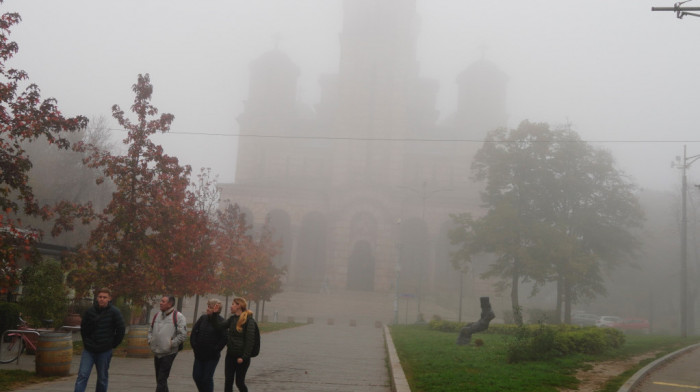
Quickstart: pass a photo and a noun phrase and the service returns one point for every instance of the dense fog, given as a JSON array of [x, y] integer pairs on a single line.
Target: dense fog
[[616, 73]]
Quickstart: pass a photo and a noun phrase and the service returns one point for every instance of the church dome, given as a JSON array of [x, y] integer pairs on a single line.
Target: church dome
[[482, 70], [275, 62]]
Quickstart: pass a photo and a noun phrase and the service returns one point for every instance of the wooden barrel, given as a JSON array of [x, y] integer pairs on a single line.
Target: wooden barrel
[[137, 342], [54, 353]]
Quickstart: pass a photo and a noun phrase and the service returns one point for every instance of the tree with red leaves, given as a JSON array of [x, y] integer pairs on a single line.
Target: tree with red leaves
[[24, 117], [246, 264], [232, 239], [262, 276], [148, 240]]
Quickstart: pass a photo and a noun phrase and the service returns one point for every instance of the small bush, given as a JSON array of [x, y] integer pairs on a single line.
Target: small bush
[[445, 325], [44, 294], [9, 316], [546, 342], [536, 316]]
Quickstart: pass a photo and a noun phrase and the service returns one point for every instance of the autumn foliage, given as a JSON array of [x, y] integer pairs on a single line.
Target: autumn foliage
[[150, 237], [246, 265], [157, 235], [24, 117]]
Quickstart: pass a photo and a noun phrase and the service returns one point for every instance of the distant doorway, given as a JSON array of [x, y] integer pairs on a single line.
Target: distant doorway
[[361, 267]]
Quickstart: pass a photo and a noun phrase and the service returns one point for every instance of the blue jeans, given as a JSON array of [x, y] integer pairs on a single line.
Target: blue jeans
[[101, 362], [203, 374]]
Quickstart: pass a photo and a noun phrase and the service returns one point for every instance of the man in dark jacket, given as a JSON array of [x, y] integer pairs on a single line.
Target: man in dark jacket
[[207, 343], [102, 329]]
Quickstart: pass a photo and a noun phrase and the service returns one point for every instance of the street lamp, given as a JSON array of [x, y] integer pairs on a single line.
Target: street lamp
[[679, 10], [398, 271], [687, 161], [461, 284]]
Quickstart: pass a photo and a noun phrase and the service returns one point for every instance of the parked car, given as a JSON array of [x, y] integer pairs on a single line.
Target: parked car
[[584, 319], [633, 324], [607, 321]]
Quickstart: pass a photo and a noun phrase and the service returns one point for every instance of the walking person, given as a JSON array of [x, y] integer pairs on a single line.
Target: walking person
[[241, 329], [167, 332], [101, 329], [207, 343]]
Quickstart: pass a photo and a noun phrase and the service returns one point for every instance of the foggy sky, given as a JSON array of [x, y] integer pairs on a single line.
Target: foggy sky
[[620, 74]]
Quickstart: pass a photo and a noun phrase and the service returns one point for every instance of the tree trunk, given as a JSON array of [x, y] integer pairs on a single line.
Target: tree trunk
[[559, 298], [196, 308], [567, 300], [514, 295]]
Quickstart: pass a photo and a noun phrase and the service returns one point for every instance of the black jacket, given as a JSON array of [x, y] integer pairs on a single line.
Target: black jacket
[[207, 342], [102, 328], [240, 344]]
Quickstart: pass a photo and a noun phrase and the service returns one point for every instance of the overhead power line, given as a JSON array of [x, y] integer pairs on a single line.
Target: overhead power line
[[465, 140]]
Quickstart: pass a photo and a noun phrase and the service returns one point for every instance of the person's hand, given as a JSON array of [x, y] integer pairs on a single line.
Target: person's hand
[[240, 360], [215, 309]]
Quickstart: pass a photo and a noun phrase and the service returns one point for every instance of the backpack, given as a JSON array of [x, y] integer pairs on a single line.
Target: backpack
[[256, 343], [182, 345]]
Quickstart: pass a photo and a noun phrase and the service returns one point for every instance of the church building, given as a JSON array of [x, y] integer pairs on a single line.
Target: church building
[[360, 188]]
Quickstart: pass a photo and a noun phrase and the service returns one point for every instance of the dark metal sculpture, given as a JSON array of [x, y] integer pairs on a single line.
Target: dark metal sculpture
[[465, 335]]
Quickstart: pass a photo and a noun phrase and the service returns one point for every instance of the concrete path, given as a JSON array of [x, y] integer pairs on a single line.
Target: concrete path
[[675, 372], [311, 358]]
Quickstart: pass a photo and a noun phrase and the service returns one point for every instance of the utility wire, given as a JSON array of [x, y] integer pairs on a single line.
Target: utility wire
[[303, 137]]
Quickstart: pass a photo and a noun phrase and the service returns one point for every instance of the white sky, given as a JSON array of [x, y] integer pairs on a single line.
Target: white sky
[[615, 70]]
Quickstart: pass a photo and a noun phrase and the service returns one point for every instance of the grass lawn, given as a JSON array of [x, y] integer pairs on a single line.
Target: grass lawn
[[433, 361], [13, 379]]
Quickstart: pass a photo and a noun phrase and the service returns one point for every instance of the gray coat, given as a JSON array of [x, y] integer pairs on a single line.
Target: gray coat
[[163, 336]]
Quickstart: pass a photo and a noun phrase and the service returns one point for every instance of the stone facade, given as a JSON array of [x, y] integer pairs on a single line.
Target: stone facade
[[367, 179]]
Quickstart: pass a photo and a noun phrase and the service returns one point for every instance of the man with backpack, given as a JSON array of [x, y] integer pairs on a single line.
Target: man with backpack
[[166, 334]]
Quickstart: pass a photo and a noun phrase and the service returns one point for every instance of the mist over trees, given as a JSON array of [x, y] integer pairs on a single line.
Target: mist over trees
[[151, 228], [25, 117], [557, 210], [144, 228], [558, 217], [160, 233], [62, 176]]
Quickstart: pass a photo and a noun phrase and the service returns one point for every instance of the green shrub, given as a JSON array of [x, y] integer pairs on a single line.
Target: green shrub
[[9, 316], [547, 341], [44, 294], [536, 316], [445, 325], [531, 344]]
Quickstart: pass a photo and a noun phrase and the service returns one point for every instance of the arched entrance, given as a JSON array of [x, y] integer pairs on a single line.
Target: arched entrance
[[361, 267]]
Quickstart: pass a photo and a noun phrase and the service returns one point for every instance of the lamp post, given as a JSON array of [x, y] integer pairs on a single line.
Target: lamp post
[[679, 10], [398, 271], [396, 294], [461, 283], [687, 161]]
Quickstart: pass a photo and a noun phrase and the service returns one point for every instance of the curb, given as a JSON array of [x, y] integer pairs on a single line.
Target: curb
[[398, 378], [638, 377]]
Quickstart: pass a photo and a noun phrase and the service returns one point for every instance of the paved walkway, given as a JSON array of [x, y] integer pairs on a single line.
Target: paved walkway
[[311, 358], [675, 372]]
